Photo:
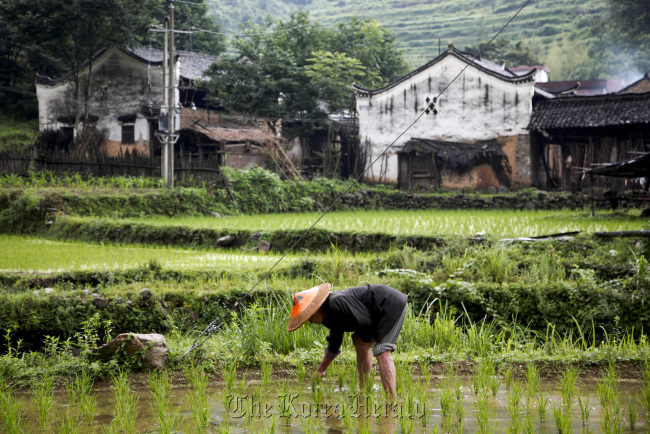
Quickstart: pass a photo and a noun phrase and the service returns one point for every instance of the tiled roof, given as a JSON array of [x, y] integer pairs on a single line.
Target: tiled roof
[[591, 111], [484, 65], [193, 65]]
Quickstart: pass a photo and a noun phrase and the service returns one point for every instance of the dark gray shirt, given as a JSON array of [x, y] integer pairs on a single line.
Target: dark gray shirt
[[371, 311]]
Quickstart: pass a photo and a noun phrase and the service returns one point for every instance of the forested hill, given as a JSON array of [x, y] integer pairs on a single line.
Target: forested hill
[[557, 31]]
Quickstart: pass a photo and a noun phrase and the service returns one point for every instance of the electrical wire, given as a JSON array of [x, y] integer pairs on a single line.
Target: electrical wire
[[213, 327]]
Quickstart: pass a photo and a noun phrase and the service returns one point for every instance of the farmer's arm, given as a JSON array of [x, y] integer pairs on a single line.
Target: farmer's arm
[[328, 358], [332, 350]]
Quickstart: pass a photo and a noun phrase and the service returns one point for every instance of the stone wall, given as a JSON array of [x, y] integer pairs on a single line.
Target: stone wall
[[525, 200]]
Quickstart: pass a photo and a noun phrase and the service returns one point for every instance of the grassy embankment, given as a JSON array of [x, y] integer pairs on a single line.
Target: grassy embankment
[[13, 132]]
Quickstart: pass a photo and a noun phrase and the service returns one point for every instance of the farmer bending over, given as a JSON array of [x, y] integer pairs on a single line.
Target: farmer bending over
[[374, 313]]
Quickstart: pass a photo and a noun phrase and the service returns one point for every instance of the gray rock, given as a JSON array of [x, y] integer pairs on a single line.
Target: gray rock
[[101, 303], [119, 300], [36, 292], [226, 241], [542, 193], [152, 345], [264, 246], [492, 190], [215, 214], [86, 292], [145, 293], [502, 189], [254, 237], [530, 205], [48, 291]]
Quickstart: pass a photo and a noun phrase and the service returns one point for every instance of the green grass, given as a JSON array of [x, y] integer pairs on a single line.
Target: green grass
[[493, 223], [24, 254], [13, 132]]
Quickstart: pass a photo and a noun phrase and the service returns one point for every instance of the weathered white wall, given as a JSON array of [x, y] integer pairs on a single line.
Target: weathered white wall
[[477, 106], [127, 91]]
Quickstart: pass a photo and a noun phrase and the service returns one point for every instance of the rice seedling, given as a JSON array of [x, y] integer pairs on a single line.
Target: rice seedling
[[87, 401], [528, 426], [197, 396], [561, 419], [405, 423], [317, 395], [446, 401], [42, 392], [272, 425], [459, 406], [607, 387], [125, 409], [363, 426], [508, 376], [611, 422], [422, 402], [285, 409], [347, 417], [160, 385], [71, 391], [265, 367], [69, 423], [483, 414], [532, 379], [568, 380], [585, 410], [495, 383], [513, 403], [645, 394], [301, 372], [229, 375], [542, 403], [631, 413], [10, 409]]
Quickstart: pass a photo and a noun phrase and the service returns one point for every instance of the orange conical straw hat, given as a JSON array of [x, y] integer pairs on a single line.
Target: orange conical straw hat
[[306, 303]]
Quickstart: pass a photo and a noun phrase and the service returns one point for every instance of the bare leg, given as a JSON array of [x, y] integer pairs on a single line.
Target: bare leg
[[387, 372], [364, 358]]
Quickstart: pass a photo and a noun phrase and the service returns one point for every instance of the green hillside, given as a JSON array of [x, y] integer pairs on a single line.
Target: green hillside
[[422, 26]]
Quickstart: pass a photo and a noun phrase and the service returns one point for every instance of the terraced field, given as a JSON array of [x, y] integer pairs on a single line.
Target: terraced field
[[424, 27]]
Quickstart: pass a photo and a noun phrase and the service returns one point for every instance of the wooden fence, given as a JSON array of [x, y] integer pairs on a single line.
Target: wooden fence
[[29, 159]]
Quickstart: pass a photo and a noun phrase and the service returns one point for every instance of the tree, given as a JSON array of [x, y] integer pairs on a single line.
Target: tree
[[505, 51], [296, 70], [374, 47], [205, 37], [333, 74], [267, 76], [625, 35]]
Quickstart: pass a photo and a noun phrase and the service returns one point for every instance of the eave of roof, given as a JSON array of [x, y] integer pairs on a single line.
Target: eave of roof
[[150, 56], [482, 65], [237, 135], [591, 111]]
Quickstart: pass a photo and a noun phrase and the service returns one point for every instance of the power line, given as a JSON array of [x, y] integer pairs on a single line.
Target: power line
[[213, 327], [17, 90]]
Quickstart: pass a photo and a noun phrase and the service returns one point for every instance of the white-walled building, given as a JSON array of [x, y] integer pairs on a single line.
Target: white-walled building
[[126, 98], [485, 111]]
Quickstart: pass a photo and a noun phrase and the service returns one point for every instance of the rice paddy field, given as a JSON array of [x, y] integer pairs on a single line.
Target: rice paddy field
[[582, 370], [464, 223], [36, 255]]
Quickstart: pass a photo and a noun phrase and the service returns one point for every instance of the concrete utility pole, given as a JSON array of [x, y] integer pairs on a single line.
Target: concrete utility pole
[[168, 138], [171, 139]]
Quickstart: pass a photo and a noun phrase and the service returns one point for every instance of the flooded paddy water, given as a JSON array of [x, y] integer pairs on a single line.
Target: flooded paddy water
[[430, 403]]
